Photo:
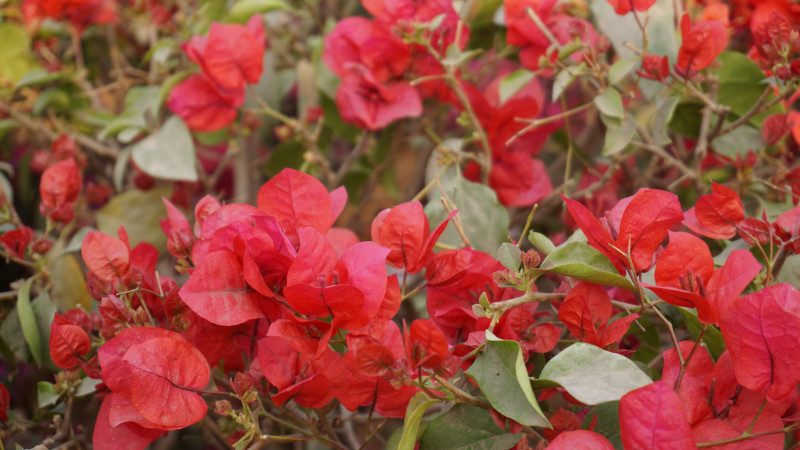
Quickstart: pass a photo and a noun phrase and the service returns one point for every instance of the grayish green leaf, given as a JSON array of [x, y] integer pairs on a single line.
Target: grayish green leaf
[[593, 375], [466, 427], [27, 320], [484, 219], [415, 410], [584, 262], [513, 82], [168, 154], [609, 102], [509, 255], [499, 371]]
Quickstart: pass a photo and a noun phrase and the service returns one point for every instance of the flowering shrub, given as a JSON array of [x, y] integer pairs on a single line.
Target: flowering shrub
[[390, 224]]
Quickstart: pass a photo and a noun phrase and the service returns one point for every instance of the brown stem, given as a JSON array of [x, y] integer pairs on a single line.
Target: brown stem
[[462, 396], [689, 358]]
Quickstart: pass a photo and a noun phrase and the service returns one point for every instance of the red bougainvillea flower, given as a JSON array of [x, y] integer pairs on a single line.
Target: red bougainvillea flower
[[68, 343], [80, 13], [107, 257], [734, 408], [702, 43], [652, 417], [59, 188], [762, 330], [155, 372], [694, 389], [404, 229], [365, 102], [203, 105], [231, 55], [775, 127], [179, 234], [686, 276], [522, 32], [584, 439], [654, 67], [639, 223], [425, 345], [117, 435], [623, 7], [456, 279], [296, 199], [373, 371], [17, 241], [716, 215], [350, 289], [5, 402], [357, 40], [586, 312]]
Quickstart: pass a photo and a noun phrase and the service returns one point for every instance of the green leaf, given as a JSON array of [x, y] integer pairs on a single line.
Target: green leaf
[[569, 48], [466, 427], [609, 102], [712, 337], [38, 77], [481, 13], [620, 69], [75, 243], [44, 309], [243, 10], [140, 102], [27, 320], [585, 263], [286, 154], [593, 375], [509, 255], [665, 110], [607, 422], [619, 133], [68, 279], [46, 394], [562, 82], [513, 82], [11, 332], [741, 84], [87, 386], [687, 117], [7, 353], [541, 242], [14, 52], [499, 371], [167, 154], [416, 408], [139, 211], [119, 168], [51, 98], [7, 126], [738, 142], [484, 219]]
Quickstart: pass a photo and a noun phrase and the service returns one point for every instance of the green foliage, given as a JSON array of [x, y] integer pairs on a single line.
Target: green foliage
[[593, 375], [500, 373]]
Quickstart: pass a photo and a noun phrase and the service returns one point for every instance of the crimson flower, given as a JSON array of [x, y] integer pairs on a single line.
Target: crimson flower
[[203, 105], [623, 7], [702, 43], [59, 188], [231, 55], [364, 101], [80, 13]]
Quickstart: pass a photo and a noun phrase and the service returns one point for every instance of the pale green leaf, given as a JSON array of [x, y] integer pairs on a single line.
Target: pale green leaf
[[168, 154], [499, 371], [593, 375]]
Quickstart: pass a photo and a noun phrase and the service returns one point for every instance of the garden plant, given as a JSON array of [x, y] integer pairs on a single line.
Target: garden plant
[[433, 224]]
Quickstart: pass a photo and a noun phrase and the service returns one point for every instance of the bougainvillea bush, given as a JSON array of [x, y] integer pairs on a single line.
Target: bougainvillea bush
[[378, 224]]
